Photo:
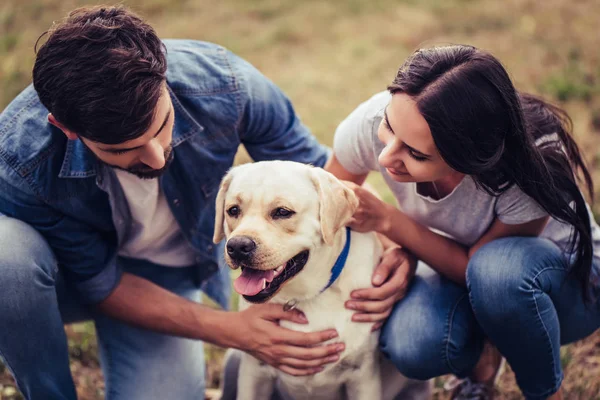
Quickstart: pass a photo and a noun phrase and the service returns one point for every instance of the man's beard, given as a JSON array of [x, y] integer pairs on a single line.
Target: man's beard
[[142, 171]]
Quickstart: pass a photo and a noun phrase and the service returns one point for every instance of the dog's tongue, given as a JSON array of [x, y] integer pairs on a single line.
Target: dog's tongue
[[252, 280]]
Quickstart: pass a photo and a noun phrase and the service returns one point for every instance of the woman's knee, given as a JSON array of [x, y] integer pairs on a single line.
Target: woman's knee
[[431, 332], [506, 270], [24, 253]]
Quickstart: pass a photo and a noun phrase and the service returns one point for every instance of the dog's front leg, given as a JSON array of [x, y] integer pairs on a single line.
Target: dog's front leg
[[366, 382], [256, 381]]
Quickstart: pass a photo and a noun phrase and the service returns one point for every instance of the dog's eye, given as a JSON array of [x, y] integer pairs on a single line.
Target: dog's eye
[[233, 211], [281, 212]]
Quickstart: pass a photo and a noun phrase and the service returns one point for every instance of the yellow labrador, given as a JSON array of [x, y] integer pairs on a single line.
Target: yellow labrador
[[285, 228]]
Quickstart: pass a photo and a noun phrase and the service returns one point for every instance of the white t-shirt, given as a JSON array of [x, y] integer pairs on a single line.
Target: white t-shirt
[[154, 234], [463, 215]]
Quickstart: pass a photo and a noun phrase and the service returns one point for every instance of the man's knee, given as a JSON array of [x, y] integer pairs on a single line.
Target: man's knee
[[136, 361], [25, 256]]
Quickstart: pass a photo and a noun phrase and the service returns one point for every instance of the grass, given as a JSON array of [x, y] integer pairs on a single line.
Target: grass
[[573, 81], [329, 56]]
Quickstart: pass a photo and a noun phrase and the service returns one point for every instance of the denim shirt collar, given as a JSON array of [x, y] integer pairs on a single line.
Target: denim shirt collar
[[80, 162]]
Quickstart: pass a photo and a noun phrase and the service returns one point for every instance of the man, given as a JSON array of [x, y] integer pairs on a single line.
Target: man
[[109, 168]]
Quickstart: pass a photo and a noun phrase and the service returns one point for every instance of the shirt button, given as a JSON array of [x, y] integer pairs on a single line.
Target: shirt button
[[176, 202], [209, 247]]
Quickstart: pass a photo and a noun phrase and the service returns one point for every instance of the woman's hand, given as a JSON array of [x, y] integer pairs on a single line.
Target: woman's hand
[[371, 214], [390, 280]]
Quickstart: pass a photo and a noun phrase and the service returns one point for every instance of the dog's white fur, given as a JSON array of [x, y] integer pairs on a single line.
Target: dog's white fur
[[322, 206]]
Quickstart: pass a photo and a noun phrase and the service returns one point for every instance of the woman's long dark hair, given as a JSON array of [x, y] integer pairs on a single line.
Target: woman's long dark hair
[[484, 128]]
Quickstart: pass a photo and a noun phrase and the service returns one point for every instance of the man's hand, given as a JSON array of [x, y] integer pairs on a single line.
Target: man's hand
[[295, 353], [255, 330], [391, 280]]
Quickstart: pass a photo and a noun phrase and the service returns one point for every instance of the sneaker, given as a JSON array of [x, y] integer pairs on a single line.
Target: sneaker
[[469, 390], [466, 389]]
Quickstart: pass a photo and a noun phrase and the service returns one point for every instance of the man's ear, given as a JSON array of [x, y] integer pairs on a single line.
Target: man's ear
[[219, 233], [69, 134], [337, 203]]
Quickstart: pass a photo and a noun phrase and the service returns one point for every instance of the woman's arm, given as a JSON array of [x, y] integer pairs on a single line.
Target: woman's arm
[[390, 278], [333, 166], [446, 256]]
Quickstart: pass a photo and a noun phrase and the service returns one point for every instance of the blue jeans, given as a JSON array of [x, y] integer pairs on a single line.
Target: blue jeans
[[35, 302], [519, 295]]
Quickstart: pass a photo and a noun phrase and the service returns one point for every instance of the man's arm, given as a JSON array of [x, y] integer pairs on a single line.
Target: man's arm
[[255, 330], [87, 257], [145, 304], [269, 127]]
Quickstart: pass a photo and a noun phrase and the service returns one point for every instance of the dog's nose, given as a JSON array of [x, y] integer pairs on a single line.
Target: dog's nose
[[240, 247]]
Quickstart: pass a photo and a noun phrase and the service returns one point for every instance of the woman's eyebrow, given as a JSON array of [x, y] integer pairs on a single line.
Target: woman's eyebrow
[[389, 126], [387, 121]]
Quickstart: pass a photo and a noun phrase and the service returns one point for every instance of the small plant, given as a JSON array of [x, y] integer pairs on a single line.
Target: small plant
[[571, 83], [595, 120], [565, 357]]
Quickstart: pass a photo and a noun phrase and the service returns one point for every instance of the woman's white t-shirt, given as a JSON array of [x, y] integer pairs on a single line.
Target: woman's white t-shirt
[[463, 215]]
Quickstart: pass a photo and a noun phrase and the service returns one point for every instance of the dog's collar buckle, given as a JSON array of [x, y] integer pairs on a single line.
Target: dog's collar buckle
[[340, 262], [290, 305]]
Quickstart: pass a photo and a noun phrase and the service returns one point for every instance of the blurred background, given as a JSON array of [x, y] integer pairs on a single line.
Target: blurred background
[[329, 56]]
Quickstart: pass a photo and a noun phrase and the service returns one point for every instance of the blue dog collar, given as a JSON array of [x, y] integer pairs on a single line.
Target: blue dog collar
[[340, 262]]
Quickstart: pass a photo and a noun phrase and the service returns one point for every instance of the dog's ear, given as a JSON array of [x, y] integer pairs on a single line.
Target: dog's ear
[[219, 233], [337, 203]]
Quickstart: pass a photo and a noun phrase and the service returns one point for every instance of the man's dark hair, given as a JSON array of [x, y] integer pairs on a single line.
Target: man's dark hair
[[101, 73]]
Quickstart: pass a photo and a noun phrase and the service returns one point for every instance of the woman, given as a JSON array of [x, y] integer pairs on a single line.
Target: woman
[[486, 182]]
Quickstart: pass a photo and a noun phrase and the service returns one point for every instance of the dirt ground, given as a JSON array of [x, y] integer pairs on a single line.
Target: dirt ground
[[581, 362]]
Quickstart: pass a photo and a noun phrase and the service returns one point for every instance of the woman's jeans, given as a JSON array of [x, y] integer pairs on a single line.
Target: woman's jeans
[[35, 302], [519, 295]]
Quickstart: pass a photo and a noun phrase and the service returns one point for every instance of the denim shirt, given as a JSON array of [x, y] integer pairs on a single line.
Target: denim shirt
[[60, 188]]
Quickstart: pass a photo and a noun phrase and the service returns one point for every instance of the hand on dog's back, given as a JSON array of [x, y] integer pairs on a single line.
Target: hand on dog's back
[[256, 331]]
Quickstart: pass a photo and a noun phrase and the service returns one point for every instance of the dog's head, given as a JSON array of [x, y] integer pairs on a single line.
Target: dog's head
[[275, 215]]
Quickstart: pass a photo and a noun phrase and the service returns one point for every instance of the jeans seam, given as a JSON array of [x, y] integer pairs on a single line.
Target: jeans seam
[[447, 338], [533, 292], [473, 306], [112, 393]]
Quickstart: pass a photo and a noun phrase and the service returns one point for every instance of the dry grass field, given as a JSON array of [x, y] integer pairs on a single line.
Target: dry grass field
[[329, 56]]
